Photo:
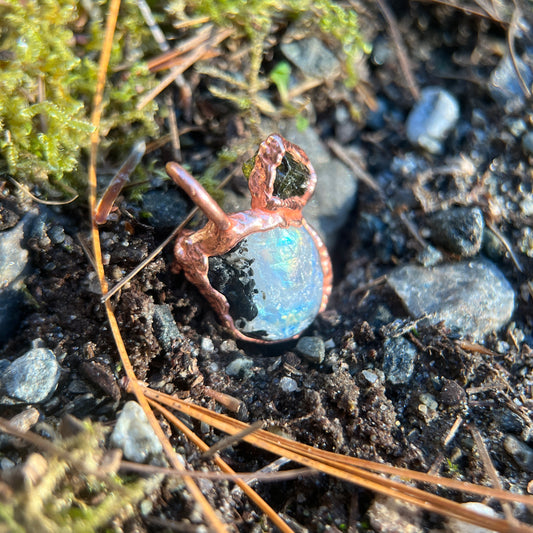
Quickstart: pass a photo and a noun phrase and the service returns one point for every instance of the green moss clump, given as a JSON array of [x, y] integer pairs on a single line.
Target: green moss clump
[[42, 123], [48, 66], [73, 494]]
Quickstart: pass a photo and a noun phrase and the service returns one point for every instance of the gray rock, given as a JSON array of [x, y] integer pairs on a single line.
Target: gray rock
[[57, 234], [454, 525], [207, 345], [312, 349], [336, 189], [504, 85], [429, 256], [473, 297], [13, 256], [167, 208], [389, 515], [521, 453], [240, 367], [135, 437], [432, 118], [399, 360], [288, 384], [13, 265], [165, 328], [31, 378], [312, 57], [527, 143], [459, 230]]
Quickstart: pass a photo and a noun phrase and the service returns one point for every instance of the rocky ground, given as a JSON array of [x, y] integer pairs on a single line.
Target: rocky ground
[[427, 210]]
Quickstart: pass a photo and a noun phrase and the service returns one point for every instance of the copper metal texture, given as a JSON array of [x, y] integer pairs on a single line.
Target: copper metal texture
[[224, 231]]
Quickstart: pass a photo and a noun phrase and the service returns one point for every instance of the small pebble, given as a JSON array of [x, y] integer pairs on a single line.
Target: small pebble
[[452, 393], [288, 384], [504, 85], [432, 118], [207, 345], [459, 230], [429, 401], [135, 437], [527, 143], [240, 367], [31, 378], [228, 346], [57, 234], [454, 525], [429, 256], [312, 349], [165, 328], [520, 452], [370, 376], [399, 360]]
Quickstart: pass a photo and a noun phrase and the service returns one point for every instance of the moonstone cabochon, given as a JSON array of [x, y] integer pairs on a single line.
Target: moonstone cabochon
[[273, 281]]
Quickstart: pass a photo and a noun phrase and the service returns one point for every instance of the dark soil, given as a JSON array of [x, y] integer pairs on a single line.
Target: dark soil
[[335, 407]]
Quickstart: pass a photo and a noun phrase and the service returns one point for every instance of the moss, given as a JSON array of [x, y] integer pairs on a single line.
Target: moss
[[73, 495], [48, 66]]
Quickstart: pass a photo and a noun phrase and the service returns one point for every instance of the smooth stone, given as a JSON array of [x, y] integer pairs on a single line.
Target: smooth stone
[[134, 435], [474, 298], [240, 368], [432, 118], [521, 453], [312, 57], [312, 349], [459, 230], [32, 378], [165, 328], [336, 189], [273, 281], [370, 376], [288, 384], [504, 85], [399, 360], [454, 525]]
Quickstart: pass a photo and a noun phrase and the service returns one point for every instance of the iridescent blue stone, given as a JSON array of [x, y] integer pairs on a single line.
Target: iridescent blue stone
[[273, 282]]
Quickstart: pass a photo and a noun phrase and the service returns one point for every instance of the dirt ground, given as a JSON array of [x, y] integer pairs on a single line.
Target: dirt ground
[[334, 407]]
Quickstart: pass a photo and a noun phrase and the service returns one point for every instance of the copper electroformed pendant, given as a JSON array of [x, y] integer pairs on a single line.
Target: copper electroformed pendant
[[265, 271]]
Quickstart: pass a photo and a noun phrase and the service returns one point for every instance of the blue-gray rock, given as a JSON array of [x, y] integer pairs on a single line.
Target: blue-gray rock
[[520, 452], [458, 230], [399, 360], [288, 384], [429, 256], [312, 57], [336, 188], [240, 367], [13, 265], [13, 255], [527, 143], [432, 118], [473, 298], [31, 378], [165, 328], [312, 349], [167, 208], [134, 435], [504, 84]]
